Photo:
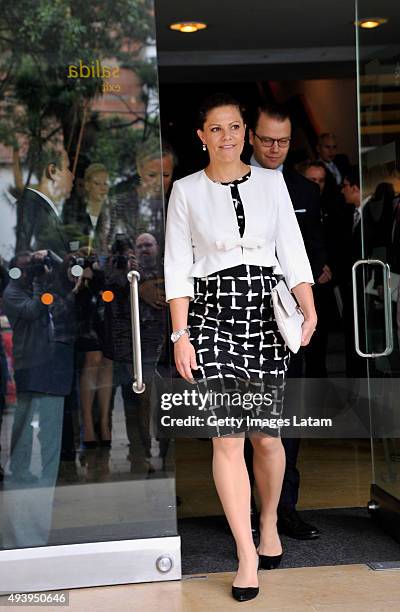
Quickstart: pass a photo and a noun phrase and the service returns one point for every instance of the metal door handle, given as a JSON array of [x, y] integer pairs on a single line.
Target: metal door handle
[[138, 385], [387, 301]]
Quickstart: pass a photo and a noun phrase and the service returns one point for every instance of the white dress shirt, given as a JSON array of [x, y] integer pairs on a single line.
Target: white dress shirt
[[356, 218], [202, 234], [334, 170], [254, 162]]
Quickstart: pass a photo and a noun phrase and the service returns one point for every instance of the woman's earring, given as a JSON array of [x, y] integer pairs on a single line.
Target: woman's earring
[[204, 146]]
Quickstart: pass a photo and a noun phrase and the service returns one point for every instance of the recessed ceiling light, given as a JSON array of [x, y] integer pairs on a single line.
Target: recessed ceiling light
[[371, 22], [187, 27]]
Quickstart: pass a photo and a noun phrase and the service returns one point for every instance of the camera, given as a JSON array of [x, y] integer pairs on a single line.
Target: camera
[[120, 246], [83, 262], [39, 266]]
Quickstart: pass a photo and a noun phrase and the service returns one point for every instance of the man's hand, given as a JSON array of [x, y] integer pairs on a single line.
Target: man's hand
[[40, 255], [87, 273], [152, 292], [326, 275]]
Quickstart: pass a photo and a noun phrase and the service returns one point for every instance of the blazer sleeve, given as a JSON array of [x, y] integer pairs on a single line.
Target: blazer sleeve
[[290, 249], [178, 256]]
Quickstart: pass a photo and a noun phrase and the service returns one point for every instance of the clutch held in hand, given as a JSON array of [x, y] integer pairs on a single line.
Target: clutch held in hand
[[288, 316]]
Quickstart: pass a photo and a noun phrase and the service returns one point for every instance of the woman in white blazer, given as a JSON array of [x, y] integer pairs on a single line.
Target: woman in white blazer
[[231, 230]]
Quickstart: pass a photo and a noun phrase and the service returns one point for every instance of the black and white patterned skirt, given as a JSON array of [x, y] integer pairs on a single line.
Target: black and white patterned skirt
[[241, 356]]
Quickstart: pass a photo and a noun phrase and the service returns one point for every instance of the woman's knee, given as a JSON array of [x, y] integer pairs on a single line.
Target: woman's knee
[[229, 447], [93, 359], [267, 445]]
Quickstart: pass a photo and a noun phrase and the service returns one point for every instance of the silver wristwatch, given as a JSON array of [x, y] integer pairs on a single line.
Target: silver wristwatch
[[178, 334]]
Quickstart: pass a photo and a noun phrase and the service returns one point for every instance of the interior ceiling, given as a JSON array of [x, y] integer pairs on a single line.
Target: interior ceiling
[[255, 24], [317, 35]]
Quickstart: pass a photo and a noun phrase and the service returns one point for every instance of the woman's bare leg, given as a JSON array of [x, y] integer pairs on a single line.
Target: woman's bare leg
[[104, 392], [269, 468], [232, 482], [87, 387]]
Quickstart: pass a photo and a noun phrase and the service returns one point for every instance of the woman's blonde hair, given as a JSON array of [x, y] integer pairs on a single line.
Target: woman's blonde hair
[[94, 169]]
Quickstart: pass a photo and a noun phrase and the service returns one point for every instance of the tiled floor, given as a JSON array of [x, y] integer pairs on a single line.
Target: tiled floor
[[346, 588]]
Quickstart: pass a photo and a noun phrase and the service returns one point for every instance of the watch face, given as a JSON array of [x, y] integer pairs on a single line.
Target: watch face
[[177, 334]]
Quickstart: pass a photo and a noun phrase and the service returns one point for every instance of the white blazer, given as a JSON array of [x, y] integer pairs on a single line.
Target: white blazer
[[202, 234]]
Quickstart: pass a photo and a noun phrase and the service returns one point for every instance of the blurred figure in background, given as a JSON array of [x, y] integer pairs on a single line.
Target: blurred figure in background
[[351, 244], [3, 358], [141, 208], [40, 310], [378, 214], [327, 151], [92, 220], [315, 171], [96, 372], [316, 352], [39, 209]]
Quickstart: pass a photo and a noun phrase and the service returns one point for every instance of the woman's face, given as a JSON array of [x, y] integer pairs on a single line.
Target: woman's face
[[223, 132], [97, 186], [150, 172]]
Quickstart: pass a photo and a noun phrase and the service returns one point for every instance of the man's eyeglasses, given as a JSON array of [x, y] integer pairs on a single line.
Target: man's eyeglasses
[[283, 143]]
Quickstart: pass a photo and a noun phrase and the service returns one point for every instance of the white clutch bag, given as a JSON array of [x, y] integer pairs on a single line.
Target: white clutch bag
[[288, 316]]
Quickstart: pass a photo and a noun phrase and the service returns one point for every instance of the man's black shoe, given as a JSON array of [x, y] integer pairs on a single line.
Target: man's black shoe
[[291, 525]]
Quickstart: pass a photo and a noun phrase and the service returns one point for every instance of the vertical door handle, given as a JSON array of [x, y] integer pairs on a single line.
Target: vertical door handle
[[387, 301], [138, 385]]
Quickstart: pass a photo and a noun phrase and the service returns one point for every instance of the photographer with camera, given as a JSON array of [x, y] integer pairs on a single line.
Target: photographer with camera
[[39, 310], [145, 257]]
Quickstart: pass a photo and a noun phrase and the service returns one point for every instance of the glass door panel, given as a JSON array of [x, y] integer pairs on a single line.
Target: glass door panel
[[378, 64], [82, 205]]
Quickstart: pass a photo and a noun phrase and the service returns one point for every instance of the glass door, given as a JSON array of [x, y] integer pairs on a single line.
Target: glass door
[[376, 274], [87, 489]]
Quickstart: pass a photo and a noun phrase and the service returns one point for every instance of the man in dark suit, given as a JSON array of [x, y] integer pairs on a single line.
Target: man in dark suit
[[43, 348], [356, 366], [270, 136], [39, 224], [335, 164]]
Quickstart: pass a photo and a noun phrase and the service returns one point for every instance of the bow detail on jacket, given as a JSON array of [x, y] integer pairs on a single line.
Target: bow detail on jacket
[[247, 242]]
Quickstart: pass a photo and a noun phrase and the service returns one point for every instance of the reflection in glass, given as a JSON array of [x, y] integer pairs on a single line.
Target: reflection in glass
[[378, 77], [82, 203]]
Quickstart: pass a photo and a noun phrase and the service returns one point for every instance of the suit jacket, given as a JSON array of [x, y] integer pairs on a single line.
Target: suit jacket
[[38, 226], [350, 245], [307, 206], [394, 247], [43, 354], [202, 233]]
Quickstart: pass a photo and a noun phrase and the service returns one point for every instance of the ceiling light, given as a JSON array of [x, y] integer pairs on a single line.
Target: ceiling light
[[187, 27], [371, 23]]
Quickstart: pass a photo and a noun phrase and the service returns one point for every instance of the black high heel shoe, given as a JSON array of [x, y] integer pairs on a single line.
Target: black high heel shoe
[[269, 563], [105, 443], [244, 593], [89, 444]]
